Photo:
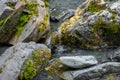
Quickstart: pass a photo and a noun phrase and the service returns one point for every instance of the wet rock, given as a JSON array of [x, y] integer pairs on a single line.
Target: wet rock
[[78, 61], [23, 21], [116, 55], [92, 72], [23, 60]]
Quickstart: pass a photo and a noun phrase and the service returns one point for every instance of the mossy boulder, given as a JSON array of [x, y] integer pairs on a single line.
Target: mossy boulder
[[23, 61], [23, 23], [94, 28]]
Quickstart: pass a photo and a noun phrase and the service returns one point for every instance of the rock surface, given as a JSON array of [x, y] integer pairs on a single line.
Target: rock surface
[[78, 61], [92, 72], [14, 61], [116, 55], [94, 26], [23, 21]]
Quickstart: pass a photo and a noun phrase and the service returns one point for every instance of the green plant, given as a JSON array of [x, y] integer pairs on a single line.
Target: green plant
[[2, 22], [11, 4], [41, 27], [30, 71], [44, 23], [46, 3], [22, 21], [34, 64], [25, 17], [31, 6], [114, 17], [0, 70], [94, 7]]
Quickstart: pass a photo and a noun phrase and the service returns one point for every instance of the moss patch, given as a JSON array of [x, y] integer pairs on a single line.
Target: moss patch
[[56, 69], [110, 29], [2, 22], [44, 24], [25, 17], [46, 3], [0, 70], [94, 7], [22, 21], [34, 64], [110, 32], [11, 4]]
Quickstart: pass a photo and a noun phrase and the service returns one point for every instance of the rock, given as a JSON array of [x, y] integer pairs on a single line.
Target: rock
[[23, 61], [55, 69], [95, 26], [78, 61], [92, 72], [23, 21], [118, 18], [61, 14], [116, 55], [115, 7]]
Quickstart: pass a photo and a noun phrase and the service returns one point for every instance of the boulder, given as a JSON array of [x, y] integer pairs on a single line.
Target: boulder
[[116, 55], [78, 61], [94, 26], [23, 21], [23, 61], [92, 72], [57, 66]]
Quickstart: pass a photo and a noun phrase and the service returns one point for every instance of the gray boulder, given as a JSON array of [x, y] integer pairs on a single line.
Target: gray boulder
[[23, 21], [92, 72], [93, 26], [78, 61], [23, 61]]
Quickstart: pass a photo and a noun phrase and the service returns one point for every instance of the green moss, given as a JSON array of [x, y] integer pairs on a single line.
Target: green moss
[[111, 28], [11, 4], [44, 24], [1, 22], [41, 27], [0, 70], [94, 7], [97, 26], [46, 3], [41, 56], [114, 17], [34, 64], [68, 39], [106, 0], [31, 6], [25, 17], [110, 32], [30, 71], [22, 21]]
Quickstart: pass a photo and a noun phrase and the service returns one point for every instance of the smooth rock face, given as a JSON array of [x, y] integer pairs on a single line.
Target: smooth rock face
[[22, 23], [61, 14], [92, 72], [12, 60], [78, 61]]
